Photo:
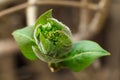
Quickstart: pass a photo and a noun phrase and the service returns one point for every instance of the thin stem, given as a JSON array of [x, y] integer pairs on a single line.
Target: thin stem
[[31, 12], [13, 9]]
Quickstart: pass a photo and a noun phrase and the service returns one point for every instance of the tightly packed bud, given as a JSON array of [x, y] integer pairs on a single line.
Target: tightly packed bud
[[54, 39]]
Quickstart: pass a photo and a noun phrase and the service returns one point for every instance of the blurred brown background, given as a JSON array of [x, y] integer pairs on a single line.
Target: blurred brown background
[[14, 66]]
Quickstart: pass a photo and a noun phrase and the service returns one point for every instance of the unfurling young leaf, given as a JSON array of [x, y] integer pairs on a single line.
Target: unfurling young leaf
[[81, 55], [24, 38], [51, 41]]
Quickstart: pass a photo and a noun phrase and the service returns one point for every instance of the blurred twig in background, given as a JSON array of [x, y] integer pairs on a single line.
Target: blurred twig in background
[[61, 3], [88, 28], [31, 12]]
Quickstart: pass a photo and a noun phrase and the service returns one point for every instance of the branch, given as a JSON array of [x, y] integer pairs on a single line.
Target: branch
[[76, 4], [85, 15], [31, 13], [96, 23], [13, 9]]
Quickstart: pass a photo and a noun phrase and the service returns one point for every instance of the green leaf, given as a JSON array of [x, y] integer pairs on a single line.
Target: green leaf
[[24, 38], [43, 18], [81, 56]]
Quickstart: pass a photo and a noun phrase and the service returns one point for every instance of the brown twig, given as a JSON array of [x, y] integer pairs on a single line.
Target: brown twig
[[31, 13], [85, 15], [13, 9], [60, 3], [96, 23], [100, 16], [76, 4]]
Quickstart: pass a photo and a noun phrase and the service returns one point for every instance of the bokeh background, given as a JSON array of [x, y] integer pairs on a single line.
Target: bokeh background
[[14, 66]]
